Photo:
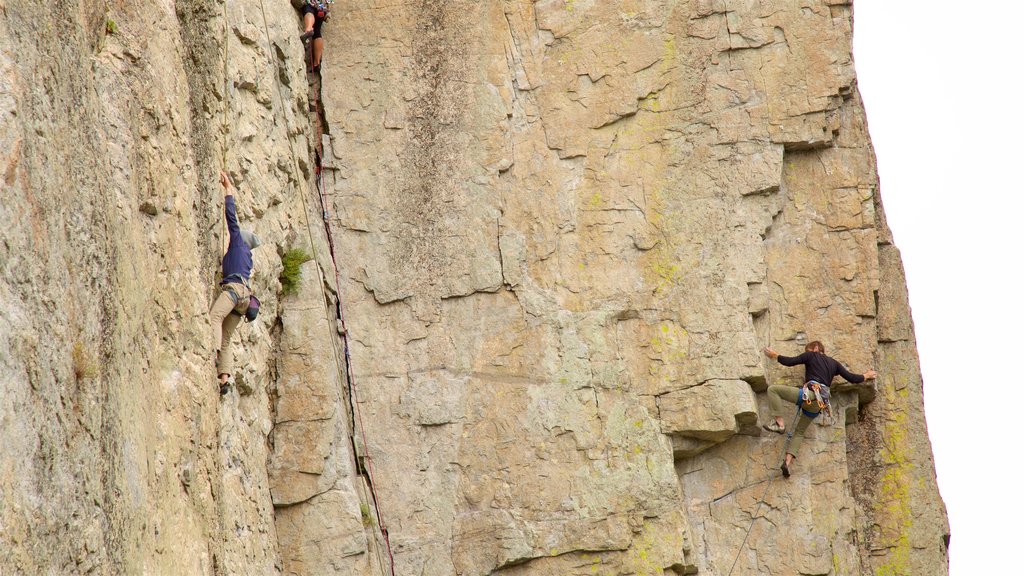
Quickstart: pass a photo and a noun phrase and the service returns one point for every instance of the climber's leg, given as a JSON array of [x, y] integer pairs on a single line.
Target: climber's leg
[[318, 51], [226, 360], [780, 399], [308, 19], [318, 44], [801, 426], [224, 324], [221, 309]]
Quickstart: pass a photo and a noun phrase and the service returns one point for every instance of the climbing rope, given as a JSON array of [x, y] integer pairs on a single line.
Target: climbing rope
[[350, 379], [785, 447], [754, 517], [219, 559], [225, 126], [337, 356]]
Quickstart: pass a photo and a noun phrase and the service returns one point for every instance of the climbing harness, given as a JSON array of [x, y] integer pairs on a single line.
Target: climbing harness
[[252, 309], [824, 405], [824, 399], [344, 332], [808, 395], [322, 7]]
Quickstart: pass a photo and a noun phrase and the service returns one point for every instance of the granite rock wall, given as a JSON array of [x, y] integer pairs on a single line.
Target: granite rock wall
[[563, 231]]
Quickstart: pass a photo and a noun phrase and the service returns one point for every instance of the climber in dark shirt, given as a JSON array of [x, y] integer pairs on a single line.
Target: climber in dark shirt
[[819, 372], [233, 300], [818, 367]]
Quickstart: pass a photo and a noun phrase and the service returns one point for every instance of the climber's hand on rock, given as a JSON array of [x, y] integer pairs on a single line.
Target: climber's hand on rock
[[870, 375], [771, 353], [225, 182]]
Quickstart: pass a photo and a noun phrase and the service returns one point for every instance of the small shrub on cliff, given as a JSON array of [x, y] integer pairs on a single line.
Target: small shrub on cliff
[[111, 26], [291, 274], [364, 511], [84, 363]]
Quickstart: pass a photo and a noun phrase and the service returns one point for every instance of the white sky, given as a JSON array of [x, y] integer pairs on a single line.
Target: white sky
[[943, 84]]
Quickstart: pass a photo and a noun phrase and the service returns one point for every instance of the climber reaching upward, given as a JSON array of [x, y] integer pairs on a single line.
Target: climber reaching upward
[[233, 300], [314, 14], [820, 369]]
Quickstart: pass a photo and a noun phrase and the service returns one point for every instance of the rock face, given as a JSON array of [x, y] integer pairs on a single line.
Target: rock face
[[563, 230]]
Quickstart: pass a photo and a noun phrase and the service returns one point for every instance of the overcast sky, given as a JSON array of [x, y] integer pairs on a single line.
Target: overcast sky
[[941, 82]]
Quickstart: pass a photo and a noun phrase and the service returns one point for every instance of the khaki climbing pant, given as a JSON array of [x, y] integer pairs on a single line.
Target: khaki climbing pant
[[224, 323], [782, 401]]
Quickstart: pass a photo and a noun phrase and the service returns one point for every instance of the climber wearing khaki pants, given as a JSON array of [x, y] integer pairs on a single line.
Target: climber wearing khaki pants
[[225, 315], [819, 372], [233, 300]]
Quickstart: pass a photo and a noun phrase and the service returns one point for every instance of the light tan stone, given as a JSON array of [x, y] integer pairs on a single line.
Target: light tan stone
[[713, 411], [672, 187], [564, 230], [321, 536]]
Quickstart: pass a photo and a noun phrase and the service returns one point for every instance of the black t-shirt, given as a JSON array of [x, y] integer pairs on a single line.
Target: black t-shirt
[[820, 368]]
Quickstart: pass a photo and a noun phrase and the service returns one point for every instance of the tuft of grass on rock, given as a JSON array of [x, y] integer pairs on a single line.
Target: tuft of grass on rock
[[364, 511], [85, 364], [111, 26], [291, 273]]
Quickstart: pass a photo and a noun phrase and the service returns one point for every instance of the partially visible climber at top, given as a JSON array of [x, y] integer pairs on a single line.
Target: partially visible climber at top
[[812, 397], [233, 301], [314, 14]]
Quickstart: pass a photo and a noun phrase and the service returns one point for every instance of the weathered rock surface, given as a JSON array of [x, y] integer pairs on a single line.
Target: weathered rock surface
[[120, 457], [572, 225], [565, 229]]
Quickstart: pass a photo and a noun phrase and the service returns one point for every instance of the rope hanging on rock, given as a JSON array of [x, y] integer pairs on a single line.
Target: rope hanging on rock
[[785, 447], [309, 230], [225, 126], [760, 502]]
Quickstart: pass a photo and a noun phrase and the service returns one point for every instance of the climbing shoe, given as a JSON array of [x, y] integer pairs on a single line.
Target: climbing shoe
[[306, 36], [774, 427], [785, 470], [224, 388]]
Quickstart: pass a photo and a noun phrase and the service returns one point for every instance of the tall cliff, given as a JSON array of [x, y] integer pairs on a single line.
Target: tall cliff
[[550, 239]]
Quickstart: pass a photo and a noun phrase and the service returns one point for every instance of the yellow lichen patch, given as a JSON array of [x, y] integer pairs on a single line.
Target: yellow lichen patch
[[670, 342], [650, 103], [646, 156], [646, 551], [666, 274], [893, 512]]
